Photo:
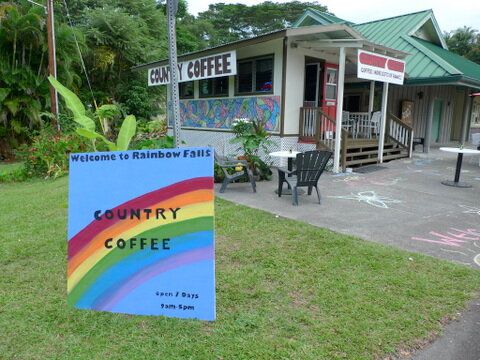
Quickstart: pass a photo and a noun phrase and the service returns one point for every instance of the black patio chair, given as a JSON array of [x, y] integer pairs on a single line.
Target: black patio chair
[[227, 163], [309, 167]]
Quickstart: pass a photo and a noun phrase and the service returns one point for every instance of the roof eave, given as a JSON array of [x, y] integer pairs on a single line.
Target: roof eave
[[225, 47], [445, 80]]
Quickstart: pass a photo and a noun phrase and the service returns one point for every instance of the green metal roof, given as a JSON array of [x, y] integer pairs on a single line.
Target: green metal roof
[[464, 66], [428, 62], [313, 16], [389, 31]]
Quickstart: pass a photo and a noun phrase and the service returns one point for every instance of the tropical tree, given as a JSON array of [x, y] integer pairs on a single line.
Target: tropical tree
[[24, 94], [233, 22], [465, 42], [120, 35]]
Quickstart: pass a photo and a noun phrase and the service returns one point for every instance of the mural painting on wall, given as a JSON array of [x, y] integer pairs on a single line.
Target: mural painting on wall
[[220, 113]]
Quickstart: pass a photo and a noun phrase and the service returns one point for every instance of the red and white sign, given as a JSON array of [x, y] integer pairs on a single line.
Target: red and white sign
[[211, 66], [382, 68]]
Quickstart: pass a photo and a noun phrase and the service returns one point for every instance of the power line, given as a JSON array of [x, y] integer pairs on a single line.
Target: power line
[[80, 53]]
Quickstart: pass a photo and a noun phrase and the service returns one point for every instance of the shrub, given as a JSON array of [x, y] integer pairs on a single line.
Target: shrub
[[153, 135], [252, 137], [218, 174], [47, 155], [165, 142]]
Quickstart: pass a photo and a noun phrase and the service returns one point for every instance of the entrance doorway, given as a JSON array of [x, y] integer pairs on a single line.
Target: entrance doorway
[[436, 120], [312, 86], [329, 99]]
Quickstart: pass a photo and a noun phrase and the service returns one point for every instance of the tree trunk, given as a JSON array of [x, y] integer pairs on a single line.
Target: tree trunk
[[14, 49], [23, 55], [30, 55], [41, 64]]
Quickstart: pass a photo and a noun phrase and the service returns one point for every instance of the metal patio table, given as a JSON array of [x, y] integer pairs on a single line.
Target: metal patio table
[[456, 182]]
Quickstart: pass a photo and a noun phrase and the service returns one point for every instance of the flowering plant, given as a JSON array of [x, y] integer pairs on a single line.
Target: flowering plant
[[47, 155], [251, 135]]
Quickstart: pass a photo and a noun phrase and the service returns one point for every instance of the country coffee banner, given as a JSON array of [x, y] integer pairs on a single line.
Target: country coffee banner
[[141, 232]]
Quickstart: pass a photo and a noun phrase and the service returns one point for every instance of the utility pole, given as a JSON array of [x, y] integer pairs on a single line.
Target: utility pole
[[172, 7], [52, 62]]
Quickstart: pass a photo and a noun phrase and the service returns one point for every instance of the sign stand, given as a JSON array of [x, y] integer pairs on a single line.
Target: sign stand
[[172, 7]]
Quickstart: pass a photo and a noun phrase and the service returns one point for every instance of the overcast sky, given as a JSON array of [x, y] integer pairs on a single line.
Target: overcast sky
[[450, 14]]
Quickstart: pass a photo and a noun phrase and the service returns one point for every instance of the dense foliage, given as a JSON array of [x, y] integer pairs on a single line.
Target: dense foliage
[[112, 37], [233, 22], [23, 69]]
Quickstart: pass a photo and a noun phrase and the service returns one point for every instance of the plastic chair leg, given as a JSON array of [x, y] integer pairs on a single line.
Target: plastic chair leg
[[280, 187], [318, 195], [294, 196], [224, 185]]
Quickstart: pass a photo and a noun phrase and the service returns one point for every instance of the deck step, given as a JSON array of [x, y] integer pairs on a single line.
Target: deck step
[[350, 163], [395, 156], [363, 145], [362, 153], [373, 152]]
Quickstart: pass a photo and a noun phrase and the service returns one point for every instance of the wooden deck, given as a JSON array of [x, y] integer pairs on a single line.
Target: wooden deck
[[359, 152], [358, 147]]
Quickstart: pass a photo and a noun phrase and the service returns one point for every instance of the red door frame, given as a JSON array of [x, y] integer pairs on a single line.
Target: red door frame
[[329, 106]]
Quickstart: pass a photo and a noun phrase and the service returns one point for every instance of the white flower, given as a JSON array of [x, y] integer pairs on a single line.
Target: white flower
[[238, 121]]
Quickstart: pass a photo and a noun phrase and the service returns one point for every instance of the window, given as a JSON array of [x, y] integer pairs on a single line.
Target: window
[[245, 79], [214, 87], [255, 75], [331, 84], [186, 90]]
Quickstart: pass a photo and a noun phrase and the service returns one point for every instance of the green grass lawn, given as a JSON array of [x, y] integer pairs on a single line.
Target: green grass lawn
[[285, 290], [9, 167]]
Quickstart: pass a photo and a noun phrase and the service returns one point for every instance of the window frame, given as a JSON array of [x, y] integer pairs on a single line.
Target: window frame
[[182, 97], [214, 95], [253, 60]]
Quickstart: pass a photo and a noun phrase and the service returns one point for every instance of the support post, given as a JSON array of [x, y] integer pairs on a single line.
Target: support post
[[371, 97], [383, 122], [428, 129], [338, 117], [172, 7], [466, 119], [52, 62]]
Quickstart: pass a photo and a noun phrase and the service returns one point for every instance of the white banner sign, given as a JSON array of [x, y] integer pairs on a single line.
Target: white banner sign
[[382, 68], [212, 66]]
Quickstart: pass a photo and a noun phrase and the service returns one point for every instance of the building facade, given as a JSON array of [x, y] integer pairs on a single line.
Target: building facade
[[302, 83]]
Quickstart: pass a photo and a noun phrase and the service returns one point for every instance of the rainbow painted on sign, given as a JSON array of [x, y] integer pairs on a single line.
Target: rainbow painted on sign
[[150, 255]]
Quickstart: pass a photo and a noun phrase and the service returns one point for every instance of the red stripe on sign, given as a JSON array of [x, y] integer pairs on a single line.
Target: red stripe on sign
[[395, 65], [373, 60]]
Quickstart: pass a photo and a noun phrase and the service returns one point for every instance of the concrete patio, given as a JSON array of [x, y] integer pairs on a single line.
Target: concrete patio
[[403, 204]]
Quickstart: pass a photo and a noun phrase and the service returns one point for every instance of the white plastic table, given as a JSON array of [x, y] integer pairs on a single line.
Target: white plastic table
[[458, 169], [290, 155]]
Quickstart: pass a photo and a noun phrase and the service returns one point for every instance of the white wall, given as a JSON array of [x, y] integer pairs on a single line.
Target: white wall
[[295, 82], [265, 48]]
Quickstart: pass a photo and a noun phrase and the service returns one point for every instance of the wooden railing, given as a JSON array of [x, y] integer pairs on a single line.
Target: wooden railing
[[400, 133], [360, 125], [319, 128]]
